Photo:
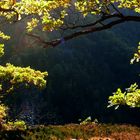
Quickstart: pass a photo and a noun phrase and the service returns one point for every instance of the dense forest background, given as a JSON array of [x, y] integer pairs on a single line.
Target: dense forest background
[[83, 73]]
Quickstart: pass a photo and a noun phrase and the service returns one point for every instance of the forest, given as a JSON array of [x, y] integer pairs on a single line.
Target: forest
[[69, 70]]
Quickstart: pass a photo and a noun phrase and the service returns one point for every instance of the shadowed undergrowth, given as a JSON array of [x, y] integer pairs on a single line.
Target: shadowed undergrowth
[[74, 131]]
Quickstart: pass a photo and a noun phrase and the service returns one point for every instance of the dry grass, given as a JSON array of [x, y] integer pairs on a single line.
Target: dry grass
[[76, 132]]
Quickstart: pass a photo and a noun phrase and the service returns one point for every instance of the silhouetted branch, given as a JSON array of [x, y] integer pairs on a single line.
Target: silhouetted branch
[[109, 22]]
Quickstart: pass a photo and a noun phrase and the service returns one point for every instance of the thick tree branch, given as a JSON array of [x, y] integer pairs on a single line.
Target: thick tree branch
[[90, 28], [104, 18], [116, 9]]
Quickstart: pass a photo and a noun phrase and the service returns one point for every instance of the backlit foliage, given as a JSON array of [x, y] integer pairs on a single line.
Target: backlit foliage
[[20, 125], [51, 13], [2, 113], [130, 97], [4, 124], [17, 75], [136, 56], [1, 50], [45, 10], [4, 37]]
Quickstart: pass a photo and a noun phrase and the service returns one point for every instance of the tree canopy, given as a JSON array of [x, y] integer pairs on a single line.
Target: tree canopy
[[57, 15]]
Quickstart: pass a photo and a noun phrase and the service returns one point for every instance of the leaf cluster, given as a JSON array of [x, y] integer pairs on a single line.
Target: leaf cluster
[[130, 97]]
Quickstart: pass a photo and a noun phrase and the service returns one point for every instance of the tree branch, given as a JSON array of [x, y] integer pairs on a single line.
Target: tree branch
[[102, 19], [90, 28]]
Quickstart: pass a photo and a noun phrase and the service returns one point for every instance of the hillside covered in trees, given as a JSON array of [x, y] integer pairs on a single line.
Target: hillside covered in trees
[[83, 73]]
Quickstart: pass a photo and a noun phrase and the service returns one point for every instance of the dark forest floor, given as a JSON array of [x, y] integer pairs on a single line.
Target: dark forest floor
[[75, 132]]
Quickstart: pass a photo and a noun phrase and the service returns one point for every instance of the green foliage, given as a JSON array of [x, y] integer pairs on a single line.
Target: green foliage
[[43, 10], [20, 125], [130, 97], [88, 120], [1, 50], [7, 125], [2, 113], [17, 75], [4, 37], [10, 78], [136, 56]]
